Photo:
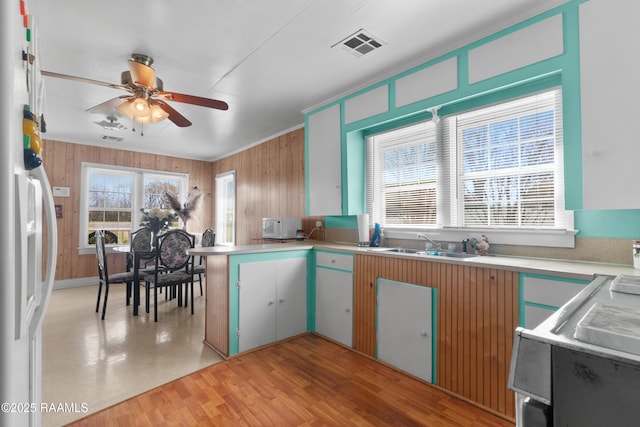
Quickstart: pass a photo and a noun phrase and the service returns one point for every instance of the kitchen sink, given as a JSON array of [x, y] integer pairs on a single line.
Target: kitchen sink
[[432, 253], [406, 251], [452, 254]]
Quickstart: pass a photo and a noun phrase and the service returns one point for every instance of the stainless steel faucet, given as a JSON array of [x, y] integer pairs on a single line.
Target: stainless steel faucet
[[437, 246]]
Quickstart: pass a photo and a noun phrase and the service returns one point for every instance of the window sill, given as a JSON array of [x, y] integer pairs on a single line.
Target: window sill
[[91, 250], [526, 237]]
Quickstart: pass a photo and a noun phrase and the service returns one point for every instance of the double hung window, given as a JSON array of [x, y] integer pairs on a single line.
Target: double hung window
[[496, 167], [226, 208], [112, 198]]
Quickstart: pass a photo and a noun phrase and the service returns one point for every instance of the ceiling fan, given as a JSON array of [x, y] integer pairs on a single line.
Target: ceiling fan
[[146, 102]]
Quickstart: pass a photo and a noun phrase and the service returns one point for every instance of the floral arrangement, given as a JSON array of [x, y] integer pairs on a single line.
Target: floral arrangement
[[194, 198], [157, 219]]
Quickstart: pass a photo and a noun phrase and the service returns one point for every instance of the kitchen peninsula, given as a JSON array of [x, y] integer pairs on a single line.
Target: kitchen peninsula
[[477, 304]]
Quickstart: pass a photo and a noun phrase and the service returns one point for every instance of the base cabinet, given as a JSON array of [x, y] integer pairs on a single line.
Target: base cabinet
[[334, 296], [272, 301], [405, 327], [541, 296]]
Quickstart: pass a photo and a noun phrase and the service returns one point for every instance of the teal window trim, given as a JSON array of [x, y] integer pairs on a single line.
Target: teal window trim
[[565, 65], [234, 291]]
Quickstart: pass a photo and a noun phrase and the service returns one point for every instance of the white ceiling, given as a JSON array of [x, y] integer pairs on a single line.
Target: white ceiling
[[270, 60]]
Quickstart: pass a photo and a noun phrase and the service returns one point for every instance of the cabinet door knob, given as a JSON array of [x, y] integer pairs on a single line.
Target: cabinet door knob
[[281, 300], [423, 334], [271, 302], [347, 310]]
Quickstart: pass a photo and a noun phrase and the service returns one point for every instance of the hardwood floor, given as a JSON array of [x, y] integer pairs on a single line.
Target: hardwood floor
[[307, 381]]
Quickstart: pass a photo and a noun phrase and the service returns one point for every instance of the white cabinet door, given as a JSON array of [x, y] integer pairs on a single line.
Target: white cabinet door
[[542, 296], [324, 162], [405, 327], [257, 310], [609, 86], [292, 297], [272, 301], [334, 305]]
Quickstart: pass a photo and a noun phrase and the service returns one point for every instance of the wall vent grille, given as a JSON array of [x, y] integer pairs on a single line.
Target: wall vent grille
[[111, 138]]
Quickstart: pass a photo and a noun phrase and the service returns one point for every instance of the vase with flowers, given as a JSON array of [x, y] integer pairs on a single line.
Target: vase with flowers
[[186, 210], [157, 220]]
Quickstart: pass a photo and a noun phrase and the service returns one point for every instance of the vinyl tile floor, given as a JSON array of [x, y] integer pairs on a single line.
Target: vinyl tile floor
[[90, 364]]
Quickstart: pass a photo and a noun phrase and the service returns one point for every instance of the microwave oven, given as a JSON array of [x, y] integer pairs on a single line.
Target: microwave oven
[[280, 228]]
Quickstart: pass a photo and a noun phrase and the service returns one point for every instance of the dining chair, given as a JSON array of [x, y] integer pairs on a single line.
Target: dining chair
[[142, 246], [171, 255], [105, 278], [208, 240], [141, 256]]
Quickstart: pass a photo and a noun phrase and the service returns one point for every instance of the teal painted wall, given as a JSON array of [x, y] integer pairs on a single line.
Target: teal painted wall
[[562, 70]]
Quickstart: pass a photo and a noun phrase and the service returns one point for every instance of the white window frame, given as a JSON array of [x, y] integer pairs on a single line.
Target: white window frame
[[449, 204], [225, 209], [138, 176]]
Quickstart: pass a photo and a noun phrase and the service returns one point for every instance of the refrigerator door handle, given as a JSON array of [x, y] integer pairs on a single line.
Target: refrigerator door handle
[[52, 248]]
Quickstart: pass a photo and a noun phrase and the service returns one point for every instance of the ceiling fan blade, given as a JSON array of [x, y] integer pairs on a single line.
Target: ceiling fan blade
[[82, 79], [174, 116], [194, 100], [108, 106], [142, 74]]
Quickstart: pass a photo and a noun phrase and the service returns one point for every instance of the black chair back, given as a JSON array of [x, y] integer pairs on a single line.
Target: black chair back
[[141, 243], [101, 254], [172, 249], [208, 238], [104, 278]]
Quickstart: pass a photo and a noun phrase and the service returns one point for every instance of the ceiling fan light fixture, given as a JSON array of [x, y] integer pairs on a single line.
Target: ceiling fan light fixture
[[140, 107], [157, 114]]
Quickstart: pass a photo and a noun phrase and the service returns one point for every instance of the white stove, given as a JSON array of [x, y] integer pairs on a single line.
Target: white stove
[[581, 366]]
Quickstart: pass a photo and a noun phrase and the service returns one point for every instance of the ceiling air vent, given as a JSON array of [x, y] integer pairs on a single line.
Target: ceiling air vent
[[359, 43], [111, 138]]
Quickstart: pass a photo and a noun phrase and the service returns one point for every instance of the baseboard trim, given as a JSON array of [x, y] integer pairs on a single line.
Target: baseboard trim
[[75, 283]]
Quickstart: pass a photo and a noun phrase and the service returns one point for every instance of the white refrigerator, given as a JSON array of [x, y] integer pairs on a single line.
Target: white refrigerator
[[26, 279]]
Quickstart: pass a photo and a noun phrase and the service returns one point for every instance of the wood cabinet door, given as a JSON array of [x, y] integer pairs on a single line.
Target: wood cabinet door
[[405, 327], [334, 305]]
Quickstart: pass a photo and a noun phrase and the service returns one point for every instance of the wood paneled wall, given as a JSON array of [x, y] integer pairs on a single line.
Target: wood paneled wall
[[477, 314], [216, 328], [63, 164], [269, 183]]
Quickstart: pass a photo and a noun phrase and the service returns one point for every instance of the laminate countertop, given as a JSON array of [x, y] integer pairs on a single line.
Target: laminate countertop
[[554, 267]]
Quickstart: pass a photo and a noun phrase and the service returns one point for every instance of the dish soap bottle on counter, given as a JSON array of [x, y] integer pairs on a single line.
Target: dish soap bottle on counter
[[375, 237]]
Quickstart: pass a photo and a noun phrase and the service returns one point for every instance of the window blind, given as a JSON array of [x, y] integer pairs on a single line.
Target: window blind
[[509, 168], [404, 166], [498, 166]]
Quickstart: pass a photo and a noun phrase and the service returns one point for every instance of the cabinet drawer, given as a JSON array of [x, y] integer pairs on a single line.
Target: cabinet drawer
[[550, 292], [333, 260]]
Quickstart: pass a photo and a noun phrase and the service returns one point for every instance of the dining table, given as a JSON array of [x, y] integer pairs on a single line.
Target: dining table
[[137, 256]]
